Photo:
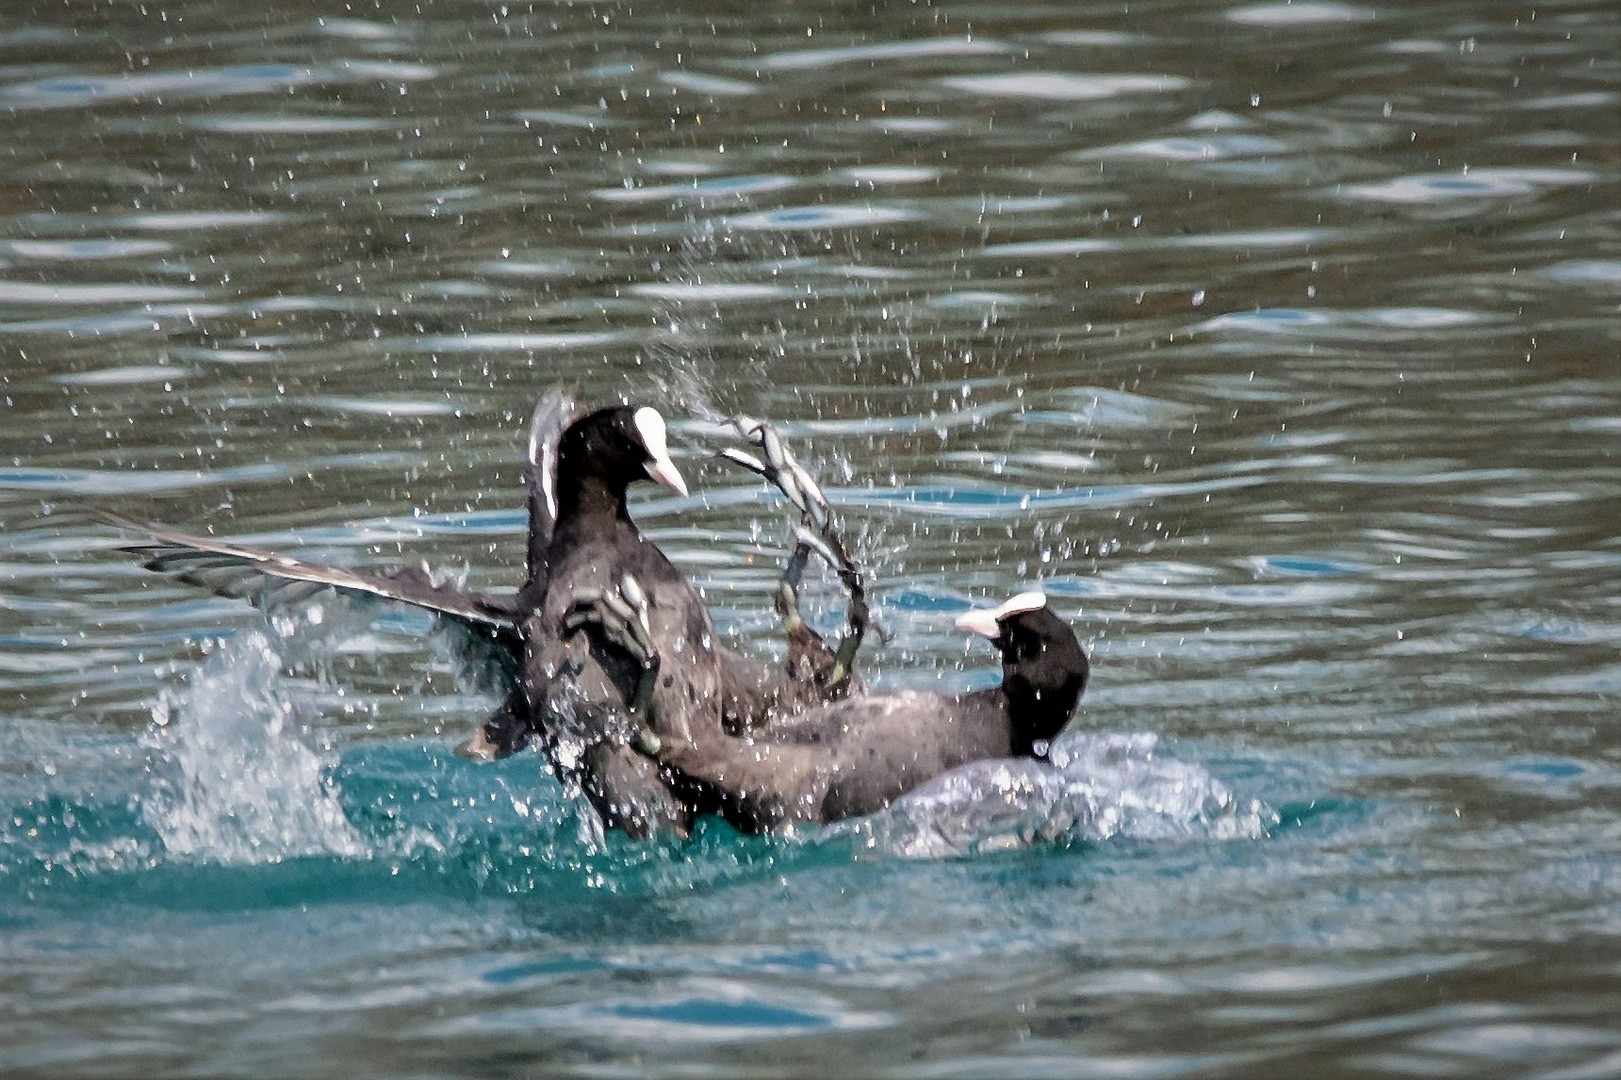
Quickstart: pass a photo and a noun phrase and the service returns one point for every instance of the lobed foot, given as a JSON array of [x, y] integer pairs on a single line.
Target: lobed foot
[[816, 535], [620, 615]]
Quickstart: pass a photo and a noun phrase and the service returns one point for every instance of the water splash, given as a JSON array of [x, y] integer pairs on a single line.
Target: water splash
[[1097, 787], [235, 781]]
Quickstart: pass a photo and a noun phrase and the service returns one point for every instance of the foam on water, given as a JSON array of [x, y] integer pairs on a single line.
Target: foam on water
[[1097, 787]]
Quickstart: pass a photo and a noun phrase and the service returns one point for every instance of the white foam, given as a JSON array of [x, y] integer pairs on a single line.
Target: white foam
[[1097, 787]]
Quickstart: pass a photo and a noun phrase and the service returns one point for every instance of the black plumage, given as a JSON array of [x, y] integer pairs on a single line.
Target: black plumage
[[576, 684], [854, 757], [563, 686]]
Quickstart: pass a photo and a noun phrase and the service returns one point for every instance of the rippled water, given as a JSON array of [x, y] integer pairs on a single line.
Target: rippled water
[[1281, 342]]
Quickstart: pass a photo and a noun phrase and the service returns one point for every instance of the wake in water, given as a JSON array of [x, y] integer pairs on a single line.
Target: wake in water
[[1097, 787], [239, 784], [233, 779]]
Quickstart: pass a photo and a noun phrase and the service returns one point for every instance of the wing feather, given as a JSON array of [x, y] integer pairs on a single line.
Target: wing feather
[[255, 575]]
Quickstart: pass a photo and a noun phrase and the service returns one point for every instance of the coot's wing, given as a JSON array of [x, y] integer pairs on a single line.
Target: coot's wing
[[257, 576], [555, 412]]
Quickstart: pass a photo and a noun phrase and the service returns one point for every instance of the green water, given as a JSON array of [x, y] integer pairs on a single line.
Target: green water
[[1280, 343]]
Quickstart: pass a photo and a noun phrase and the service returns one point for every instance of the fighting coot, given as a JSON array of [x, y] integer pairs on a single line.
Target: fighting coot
[[576, 683], [581, 539], [854, 757]]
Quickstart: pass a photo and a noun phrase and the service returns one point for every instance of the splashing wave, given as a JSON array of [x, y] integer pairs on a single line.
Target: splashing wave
[[236, 782], [1097, 787]]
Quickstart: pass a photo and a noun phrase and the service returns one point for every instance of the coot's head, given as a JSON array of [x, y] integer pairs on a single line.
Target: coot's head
[[618, 447], [1044, 668]]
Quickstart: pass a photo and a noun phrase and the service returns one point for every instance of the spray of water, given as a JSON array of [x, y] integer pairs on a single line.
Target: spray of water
[[1097, 787], [235, 781]]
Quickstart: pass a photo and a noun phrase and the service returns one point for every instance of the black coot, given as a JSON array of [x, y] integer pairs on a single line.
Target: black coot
[[557, 685], [571, 694], [575, 685], [855, 757]]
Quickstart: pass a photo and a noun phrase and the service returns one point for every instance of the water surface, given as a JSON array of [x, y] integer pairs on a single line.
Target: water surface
[[1278, 342]]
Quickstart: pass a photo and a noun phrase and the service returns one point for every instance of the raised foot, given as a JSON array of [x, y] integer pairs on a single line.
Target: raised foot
[[620, 615], [817, 534]]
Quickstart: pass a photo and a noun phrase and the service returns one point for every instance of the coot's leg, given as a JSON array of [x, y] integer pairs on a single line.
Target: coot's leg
[[621, 615], [817, 534]]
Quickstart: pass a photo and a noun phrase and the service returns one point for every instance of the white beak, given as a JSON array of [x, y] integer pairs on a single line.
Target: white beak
[[981, 622], [664, 471], [659, 466], [986, 622]]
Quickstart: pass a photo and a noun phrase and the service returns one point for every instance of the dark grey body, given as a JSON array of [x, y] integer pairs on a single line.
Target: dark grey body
[[576, 685], [854, 757], [567, 690], [573, 686], [859, 757]]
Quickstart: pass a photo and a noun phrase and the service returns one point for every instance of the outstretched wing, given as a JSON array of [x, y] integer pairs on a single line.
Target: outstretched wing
[[258, 576], [555, 412]]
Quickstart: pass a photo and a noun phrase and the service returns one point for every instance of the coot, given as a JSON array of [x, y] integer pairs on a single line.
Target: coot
[[854, 757], [575, 682], [557, 683]]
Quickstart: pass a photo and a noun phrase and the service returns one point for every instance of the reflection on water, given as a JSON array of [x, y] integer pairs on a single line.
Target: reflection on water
[[1278, 341]]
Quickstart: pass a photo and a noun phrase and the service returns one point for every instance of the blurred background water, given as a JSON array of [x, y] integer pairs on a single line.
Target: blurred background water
[[1280, 342]]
